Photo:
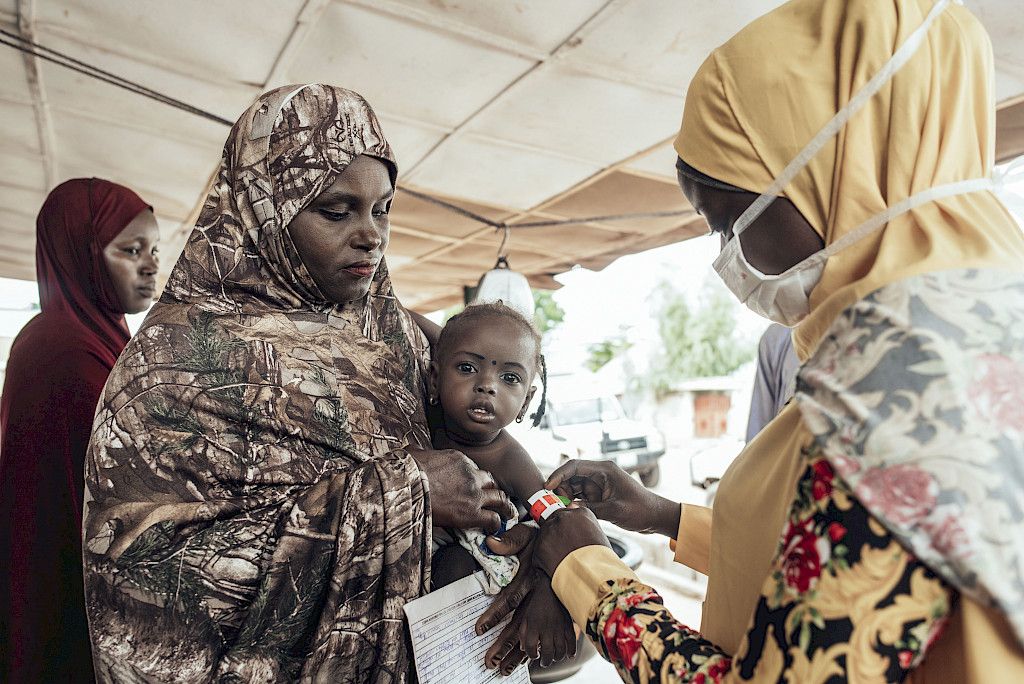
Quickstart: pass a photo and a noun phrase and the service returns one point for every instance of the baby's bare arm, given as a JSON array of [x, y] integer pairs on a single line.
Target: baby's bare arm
[[510, 465]]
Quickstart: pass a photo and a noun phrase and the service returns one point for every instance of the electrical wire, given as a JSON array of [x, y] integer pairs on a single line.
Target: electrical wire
[[452, 207], [31, 47], [500, 225], [604, 219]]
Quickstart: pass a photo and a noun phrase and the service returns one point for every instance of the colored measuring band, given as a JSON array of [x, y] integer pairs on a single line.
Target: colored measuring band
[[544, 503]]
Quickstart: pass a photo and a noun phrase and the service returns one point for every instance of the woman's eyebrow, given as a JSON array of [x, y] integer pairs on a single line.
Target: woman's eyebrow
[[349, 198], [129, 239], [337, 198]]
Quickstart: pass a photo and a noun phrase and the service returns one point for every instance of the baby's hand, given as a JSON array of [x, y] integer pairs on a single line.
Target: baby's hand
[[547, 632], [543, 628]]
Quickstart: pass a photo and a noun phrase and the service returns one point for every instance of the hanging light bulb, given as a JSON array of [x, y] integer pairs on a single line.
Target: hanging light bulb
[[505, 285]]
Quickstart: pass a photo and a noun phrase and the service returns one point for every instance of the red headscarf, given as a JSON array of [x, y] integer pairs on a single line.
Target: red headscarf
[[77, 221], [58, 365]]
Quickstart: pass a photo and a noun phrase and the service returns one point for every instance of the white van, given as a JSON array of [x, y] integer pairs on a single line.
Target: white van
[[593, 421]]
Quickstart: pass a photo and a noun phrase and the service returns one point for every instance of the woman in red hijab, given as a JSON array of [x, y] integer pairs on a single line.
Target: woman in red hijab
[[95, 261]]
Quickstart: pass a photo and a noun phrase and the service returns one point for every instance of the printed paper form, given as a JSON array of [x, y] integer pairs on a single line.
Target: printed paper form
[[444, 641]]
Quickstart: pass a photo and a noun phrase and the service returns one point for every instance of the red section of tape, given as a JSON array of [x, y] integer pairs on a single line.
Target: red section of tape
[[536, 509]]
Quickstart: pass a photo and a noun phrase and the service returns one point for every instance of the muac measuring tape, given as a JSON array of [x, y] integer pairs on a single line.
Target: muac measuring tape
[[544, 503]]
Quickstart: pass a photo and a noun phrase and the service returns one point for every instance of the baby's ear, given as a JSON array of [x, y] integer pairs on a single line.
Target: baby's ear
[[526, 404]]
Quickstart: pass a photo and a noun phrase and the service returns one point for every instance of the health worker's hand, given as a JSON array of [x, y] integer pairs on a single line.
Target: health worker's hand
[[564, 532], [614, 495], [461, 495], [561, 534]]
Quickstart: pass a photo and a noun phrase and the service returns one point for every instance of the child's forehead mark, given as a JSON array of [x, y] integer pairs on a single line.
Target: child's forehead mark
[[494, 363]]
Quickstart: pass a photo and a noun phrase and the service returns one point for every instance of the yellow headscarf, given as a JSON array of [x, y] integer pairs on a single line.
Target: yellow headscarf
[[758, 99]]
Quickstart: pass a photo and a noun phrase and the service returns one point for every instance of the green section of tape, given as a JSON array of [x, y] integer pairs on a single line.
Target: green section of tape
[[564, 499]]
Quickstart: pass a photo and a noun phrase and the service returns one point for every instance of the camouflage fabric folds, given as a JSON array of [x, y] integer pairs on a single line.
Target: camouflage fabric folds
[[252, 513]]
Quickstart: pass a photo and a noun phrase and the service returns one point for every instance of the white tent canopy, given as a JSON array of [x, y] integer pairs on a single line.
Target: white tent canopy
[[527, 111]]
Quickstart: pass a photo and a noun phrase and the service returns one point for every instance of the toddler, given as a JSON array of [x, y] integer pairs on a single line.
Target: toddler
[[481, 376]]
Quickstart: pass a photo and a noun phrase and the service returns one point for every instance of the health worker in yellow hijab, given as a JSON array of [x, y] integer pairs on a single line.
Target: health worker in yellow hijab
[[874, 531]]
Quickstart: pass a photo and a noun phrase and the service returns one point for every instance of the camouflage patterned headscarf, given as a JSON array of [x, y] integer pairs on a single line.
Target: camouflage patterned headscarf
[[252, 513]]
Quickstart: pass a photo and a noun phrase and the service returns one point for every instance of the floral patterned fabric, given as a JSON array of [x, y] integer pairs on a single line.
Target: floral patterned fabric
[[916, 397], [252, 513], [843, 602]]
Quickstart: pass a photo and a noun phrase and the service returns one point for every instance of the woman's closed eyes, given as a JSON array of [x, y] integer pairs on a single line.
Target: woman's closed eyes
[[332, 215]]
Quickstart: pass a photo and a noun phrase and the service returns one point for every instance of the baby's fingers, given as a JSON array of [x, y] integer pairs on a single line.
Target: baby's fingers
[[547, 648], [504, 646], [512, 542]]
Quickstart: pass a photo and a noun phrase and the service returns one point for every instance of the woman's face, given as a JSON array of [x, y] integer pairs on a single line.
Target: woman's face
[[132, 262], [777, 240], [341, 236]]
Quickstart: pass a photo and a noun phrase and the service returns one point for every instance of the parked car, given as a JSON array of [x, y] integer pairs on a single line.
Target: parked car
[[710, 461], [547, 449], [596, 424]]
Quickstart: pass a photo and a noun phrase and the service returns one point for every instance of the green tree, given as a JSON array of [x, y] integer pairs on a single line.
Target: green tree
[[696, 343], [604, 352], [547, 314]]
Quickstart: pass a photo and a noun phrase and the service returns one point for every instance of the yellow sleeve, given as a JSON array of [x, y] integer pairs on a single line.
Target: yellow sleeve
[[693, 541], [581, 579]]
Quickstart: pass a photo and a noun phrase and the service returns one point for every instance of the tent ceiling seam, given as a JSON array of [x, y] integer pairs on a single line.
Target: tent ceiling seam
[[34, 76]]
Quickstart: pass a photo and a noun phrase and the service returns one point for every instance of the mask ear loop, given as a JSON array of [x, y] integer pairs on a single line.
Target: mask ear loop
[[878, 220], [832, 128]]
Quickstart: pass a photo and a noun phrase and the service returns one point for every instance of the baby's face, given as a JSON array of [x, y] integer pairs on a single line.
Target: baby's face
[[484, 382]]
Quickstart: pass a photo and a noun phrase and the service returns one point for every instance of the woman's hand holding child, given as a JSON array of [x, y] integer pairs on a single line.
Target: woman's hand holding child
[[461, 494]]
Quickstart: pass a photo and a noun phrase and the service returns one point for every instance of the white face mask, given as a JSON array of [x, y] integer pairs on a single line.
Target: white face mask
[[785, 298]]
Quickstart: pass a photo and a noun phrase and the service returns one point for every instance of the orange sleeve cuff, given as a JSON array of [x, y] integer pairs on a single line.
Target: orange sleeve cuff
[[581, 579], [692, 544]]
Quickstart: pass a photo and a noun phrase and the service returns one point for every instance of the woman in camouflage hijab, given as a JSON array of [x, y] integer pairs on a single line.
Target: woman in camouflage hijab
[[252, 510]]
